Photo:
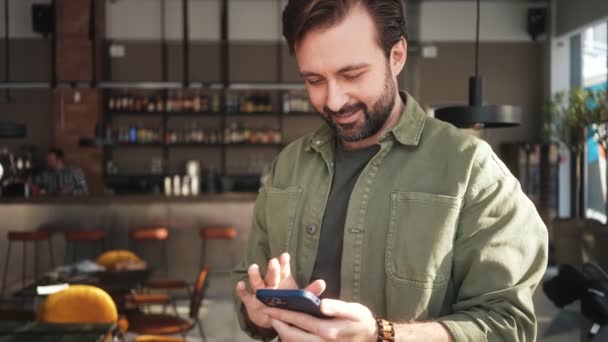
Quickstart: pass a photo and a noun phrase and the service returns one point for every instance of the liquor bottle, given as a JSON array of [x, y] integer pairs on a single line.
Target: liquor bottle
[[197, 103], [159, 104], [286, 104], [111, 103], [170, 102], [215, 103]]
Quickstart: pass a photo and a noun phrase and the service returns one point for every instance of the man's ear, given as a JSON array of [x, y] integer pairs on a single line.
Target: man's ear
[[398, 56]]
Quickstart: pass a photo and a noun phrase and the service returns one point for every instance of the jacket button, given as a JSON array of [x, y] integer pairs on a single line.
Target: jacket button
[[312, 229]]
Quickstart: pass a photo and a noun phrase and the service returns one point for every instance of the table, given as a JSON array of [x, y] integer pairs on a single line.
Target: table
[[51, 332], [110, 281]]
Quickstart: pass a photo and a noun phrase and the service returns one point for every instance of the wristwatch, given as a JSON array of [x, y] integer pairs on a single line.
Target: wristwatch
[[386, 330]]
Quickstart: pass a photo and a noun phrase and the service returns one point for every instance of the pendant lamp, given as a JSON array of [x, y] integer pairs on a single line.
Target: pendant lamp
[[476, 114]]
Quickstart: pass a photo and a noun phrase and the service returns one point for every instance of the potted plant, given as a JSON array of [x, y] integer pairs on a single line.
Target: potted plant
[[595, 234], [568, 117]]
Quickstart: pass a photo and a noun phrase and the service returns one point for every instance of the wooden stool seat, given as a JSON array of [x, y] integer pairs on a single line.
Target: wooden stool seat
[[28, 236], [155, 234], [149, 298], [218, 233], [155, 338], [158, 324], [167, 284], [85, 235]]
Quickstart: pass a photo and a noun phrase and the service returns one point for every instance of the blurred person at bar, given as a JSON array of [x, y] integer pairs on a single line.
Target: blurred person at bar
[[59, 178], [408, 228]]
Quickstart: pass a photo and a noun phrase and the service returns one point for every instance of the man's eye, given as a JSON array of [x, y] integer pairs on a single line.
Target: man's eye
[[314, 81], [352, 77]]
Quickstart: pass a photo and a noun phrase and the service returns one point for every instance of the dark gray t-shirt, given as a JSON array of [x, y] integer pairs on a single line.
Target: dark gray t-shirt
[[348, 165]]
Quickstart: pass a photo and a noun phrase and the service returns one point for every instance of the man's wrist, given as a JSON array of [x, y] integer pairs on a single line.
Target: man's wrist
[[265, 333]]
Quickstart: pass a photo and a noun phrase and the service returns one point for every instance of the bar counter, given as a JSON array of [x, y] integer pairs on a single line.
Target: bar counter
[[184, 216]]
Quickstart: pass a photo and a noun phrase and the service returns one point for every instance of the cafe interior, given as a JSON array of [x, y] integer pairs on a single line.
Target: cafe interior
[[164, 117]]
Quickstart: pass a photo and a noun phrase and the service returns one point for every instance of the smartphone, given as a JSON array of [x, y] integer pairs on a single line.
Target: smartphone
[[295, 300]]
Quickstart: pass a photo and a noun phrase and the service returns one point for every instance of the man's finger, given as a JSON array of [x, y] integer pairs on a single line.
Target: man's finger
[[316, 287], [273, 274], [241, 291], [341, 309], [285, 267], [303, 321], [292, 334], [255, 279]]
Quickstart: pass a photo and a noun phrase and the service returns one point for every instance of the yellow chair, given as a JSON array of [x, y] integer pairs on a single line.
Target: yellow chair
[[81, 304], [115, 259]]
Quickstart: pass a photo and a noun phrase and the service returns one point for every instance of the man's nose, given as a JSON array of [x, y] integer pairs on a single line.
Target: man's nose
[[336, 97]]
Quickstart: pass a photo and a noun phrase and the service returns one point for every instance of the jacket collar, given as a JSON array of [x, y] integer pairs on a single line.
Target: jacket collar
[[407, 131]]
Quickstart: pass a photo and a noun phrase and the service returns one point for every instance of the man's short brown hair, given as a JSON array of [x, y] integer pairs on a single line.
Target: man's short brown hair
[[302, 16]]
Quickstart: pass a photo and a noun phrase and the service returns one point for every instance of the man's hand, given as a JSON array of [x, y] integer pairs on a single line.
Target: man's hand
[[278, 276], [350, 322]]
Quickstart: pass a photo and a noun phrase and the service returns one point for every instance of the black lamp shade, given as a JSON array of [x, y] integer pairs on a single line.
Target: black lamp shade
[[12, 130], [491, 116]]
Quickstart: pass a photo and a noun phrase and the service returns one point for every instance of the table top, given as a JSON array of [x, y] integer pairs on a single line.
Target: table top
[[110, 281], [24, 331]]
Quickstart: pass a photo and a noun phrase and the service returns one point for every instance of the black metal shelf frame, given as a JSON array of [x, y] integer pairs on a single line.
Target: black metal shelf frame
[[222, 87]]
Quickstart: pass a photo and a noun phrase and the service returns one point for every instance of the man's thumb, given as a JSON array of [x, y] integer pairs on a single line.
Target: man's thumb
[[316, 287]]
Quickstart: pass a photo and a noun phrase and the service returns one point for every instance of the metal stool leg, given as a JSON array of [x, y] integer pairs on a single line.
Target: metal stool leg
[[74, 246], [166, 261], [35, 261], [51, 253], [23, 264], [203, 253], [4, 274], [66, 256]]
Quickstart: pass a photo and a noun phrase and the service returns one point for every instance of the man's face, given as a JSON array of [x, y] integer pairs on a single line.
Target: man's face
[[348, 76], [52, 161]]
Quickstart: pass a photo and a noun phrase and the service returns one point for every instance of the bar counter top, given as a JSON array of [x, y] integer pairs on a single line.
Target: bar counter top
[[228, 197]]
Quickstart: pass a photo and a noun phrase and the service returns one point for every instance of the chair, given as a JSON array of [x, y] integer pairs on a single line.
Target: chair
[[114, 260], [214, 233], [26, 237], [160, 234], [74, 238], [81, 304], [165, 324]]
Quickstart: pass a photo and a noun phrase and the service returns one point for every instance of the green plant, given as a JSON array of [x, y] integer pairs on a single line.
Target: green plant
[[569, 114], [567, 119]]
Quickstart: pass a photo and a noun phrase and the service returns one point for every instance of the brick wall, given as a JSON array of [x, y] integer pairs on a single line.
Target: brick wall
[[75, 114], [77, 111]]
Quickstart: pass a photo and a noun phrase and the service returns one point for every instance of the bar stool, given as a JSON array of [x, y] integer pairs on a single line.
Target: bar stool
[[74, 238], [215, 233], [26, 237], [160, 234]]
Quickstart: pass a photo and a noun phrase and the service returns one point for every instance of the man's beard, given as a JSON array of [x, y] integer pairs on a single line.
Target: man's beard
[[374, 120]]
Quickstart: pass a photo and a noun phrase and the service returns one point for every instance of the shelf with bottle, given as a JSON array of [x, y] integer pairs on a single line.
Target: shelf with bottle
[[193, 134], [131, 134], [237, 133], [251, 103], [179, 102], [295, 102]]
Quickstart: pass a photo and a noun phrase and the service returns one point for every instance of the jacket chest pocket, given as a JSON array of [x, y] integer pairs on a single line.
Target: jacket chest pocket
[[281, 208], [420, 239]]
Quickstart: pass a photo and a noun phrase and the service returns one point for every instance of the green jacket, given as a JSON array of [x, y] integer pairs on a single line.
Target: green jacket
[[437, 228]]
